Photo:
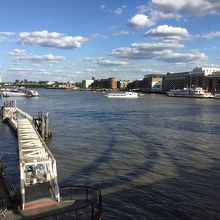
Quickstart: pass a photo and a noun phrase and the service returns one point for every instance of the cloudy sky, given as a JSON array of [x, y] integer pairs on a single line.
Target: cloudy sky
[[75, 40]]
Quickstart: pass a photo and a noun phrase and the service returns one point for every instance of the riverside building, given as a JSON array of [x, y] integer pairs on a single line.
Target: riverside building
[[152, 83], [213, 82], [122, 84], [109, 83], [175, 81], [87, 83], [206, 77]]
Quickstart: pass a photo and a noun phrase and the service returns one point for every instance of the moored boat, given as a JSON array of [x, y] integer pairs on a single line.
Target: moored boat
[[19, 92], [217, 96], [122, 95], [190, 92]]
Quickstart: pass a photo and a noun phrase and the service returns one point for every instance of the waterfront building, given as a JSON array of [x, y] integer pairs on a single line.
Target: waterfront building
[[86, 83], [50, 83], [137, 84], [204, 77], [70, 84], [205, 71], [110, 83], [113, 83], [152, 83], [175, 81], [122, 84], [212, 82]]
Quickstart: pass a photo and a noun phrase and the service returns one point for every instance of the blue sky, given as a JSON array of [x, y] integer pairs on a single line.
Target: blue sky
[[75, 40]]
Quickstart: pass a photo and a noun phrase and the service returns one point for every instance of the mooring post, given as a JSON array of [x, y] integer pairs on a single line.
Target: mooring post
[[42, 128], [46, 126]]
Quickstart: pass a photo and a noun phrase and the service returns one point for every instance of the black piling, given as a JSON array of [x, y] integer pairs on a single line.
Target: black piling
[[41, 123]]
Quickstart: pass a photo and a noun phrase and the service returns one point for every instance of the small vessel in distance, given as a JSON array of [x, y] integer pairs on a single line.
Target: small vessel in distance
[[190, 92], [122, 95], [217, 96], [18, 92]]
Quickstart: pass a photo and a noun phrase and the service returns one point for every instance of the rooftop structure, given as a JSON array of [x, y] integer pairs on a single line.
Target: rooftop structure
[[205, 70]]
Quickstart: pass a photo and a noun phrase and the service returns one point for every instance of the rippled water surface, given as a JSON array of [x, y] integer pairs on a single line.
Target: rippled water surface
[[155, 157]]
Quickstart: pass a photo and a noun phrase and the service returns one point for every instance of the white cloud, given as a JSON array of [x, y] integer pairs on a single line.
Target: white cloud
[[20, 70], [166, 31], [90, 70], [211, 35], [171, 57], [157, 51], [120, 10], [6, 35], [158, 15], [140, 21], [144, 50], [168, 9], [188, 7], [150, 71], [18, 52], [53, 39], [22, 55], [103, 7], [121, 33], [97, 36], [44, 58], [212, 65], [142, 9], [111, 62], [104, 62], [170, 5]]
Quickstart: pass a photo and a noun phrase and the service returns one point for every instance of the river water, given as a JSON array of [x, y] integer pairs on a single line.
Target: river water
[[155, 157]]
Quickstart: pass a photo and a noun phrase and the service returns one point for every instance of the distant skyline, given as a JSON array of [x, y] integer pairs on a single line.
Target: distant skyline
[[75, 40]]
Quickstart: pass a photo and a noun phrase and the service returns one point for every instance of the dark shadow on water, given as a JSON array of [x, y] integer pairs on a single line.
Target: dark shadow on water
[[193, 197], [105, 158], [188, 195]]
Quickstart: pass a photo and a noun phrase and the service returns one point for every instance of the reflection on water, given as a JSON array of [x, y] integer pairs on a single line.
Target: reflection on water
[[155, 157]]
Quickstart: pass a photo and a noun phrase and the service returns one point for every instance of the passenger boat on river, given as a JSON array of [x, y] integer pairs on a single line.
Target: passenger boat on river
[[122, 95], [18, 92], [190, 92]]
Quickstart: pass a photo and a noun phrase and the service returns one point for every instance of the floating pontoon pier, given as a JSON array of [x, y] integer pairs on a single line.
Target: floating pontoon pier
[[40, 195]]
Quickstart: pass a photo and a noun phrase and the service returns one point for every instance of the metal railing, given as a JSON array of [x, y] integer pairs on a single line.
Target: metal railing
[[11, 190], [87, 206]]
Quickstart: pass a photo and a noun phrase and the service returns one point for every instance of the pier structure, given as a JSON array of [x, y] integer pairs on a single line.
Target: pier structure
[[40, 196], [38, 172], [37, 165], [10, 112]]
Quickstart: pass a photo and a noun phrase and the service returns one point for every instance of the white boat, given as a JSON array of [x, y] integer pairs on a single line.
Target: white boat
[[122, 95], [190, 92], [19, 92], [217, 96]]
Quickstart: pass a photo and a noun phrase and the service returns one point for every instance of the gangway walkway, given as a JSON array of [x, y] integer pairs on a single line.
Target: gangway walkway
[[37, 166]]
